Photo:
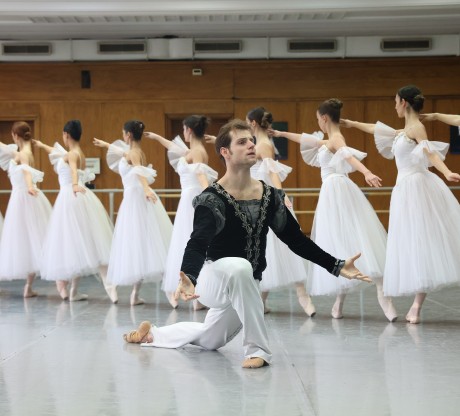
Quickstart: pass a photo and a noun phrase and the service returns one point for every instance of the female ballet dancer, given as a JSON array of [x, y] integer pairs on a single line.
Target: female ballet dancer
[[143, 229], [27, 214], [80, 232], [195, 175], [344, 221], [424, 228], [283, 266]]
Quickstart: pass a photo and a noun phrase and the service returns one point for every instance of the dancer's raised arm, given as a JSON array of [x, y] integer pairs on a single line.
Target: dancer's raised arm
[[160, 139], [365, 127], [451, 119], [41, 145]]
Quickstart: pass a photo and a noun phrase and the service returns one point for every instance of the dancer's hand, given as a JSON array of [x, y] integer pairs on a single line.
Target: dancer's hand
[[427, 117], [372, 180], [185, 290], [32, 191], [344, 122], [287, 202], [453, 177], [152, 136], [209, 138], [100, 143], [274, 133], [37, 143], [350, 271], [150, 195], [77, 188]]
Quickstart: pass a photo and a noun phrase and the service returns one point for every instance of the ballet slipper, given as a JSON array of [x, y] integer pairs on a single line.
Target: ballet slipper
[[77, 297], [264, 296], [337, 308], [413, 316], [61, 286], [172, 300], [266, 309], [136, 300], [28, 292], [307, 305], [388, 308], [198, 306], [254, 362], [140, 334], [111, 291]]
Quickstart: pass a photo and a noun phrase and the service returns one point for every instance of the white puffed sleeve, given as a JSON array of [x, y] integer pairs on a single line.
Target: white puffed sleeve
[[438, 148], [56, 154], [86, 175], [339, 160], [269, 165], [177, 150], [115, 153], [145, 171], [203, 168], [384, 137], [37, 175], [309, 146], [7, 153]]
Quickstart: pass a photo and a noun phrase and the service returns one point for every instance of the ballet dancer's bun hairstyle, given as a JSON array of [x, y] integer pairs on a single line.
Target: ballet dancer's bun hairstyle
[[331, 108], [136, 128], [22, 129], [73, 129], [198, 124], [412, 95], [261, 116]]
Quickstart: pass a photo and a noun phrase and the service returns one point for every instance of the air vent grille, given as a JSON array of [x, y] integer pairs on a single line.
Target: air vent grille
[[327, 45], [121, 47], [229, 46], [27, 49], [392, 45]]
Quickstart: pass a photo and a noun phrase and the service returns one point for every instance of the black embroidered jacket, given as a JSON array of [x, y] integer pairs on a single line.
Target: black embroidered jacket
[[222, 229]]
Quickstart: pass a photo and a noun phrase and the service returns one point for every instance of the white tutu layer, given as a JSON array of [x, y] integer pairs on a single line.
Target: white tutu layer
[[424, 230], [140, 240], [24, 229], [1, 224], [80, 232], [346, 224], [78, 238], [183, 222], [283, 266], [143, 229], [423, 251]]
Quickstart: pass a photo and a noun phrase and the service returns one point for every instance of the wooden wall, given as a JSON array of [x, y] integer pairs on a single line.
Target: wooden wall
[[156, 92]]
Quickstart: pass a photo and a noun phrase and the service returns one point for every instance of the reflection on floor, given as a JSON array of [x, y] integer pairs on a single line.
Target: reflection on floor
[[60, 358]]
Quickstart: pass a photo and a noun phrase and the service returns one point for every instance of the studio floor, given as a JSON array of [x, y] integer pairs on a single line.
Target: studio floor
[[60, 358]]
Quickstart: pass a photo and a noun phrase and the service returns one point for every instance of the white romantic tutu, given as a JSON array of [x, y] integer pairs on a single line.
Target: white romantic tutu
[[79, 234], [25, 223], [1, 224], [283, 266], [183, 222], [143, 229], [423, 251], [345, 222]]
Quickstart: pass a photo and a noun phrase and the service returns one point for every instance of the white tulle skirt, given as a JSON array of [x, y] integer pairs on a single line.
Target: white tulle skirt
[[346, 224], [24, 229], [78, 238], [283, 266], [183, 227], [140, 240], [1, 224], [423, 251]]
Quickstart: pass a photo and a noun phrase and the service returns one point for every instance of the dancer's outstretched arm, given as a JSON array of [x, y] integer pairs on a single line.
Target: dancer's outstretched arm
[[366, 127], [153, 136], [451, 119], [41, 145]]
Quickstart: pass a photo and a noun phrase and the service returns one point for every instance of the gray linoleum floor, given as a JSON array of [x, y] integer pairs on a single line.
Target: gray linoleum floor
[[61, 358]]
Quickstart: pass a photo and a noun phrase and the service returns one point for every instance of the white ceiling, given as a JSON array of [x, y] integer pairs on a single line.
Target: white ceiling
[[85, 19]]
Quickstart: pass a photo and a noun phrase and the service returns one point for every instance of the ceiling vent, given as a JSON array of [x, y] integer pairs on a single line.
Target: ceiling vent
[[218, 46], [298, 45], [121, 47], [16, 49], [393, 45]]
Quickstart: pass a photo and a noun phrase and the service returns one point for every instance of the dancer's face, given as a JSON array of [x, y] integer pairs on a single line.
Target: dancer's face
[[242, 149], [126, 136], [322, 120], [400, 106], [187, 131]]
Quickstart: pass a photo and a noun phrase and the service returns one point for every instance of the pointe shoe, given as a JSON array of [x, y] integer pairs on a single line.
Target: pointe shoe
[[61, 287], [254, 362], [171, 299], [198, 306], [266, 308], [413, 319], [307, 305], [141, 334], [136, 300], [28, 292], [388, 308], [76, 297], [112, 294], [336, 311]]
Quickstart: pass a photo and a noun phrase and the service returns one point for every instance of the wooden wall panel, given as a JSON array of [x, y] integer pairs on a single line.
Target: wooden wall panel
[[51, 93]]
